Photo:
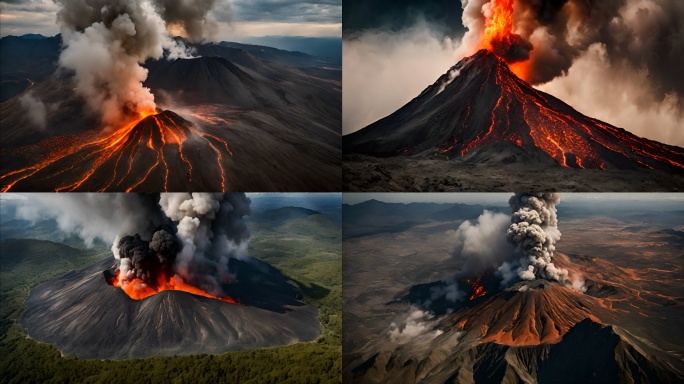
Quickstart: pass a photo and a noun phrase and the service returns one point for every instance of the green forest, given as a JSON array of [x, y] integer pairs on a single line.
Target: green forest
[[307, 250]]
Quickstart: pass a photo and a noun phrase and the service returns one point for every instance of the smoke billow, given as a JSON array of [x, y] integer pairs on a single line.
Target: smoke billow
[[534, 232], [192, 236], [211, 230], [107, 41], [417, 324], [96, 216], [519, 247], [641, 41]]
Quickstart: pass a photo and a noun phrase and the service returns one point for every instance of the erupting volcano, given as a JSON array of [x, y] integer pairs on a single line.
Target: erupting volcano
[[487, 114], [514, 309], [154, 150], [174, 287], [137, 289], [485, 111]]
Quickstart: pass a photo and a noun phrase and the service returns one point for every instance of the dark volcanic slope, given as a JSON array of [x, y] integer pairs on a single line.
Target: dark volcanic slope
[[487, 115], [256, 125], [544, 333], [84, 316]]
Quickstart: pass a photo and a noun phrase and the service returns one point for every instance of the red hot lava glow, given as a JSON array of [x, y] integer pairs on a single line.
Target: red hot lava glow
[[477, 288], [136, 289], [498, 32]]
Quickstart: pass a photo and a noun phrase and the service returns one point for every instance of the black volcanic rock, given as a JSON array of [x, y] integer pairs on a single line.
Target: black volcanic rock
[[84, 316], [206, 80], [481, 113]]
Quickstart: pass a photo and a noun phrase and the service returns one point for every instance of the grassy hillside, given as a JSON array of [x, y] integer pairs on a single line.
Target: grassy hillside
[[307, 250]]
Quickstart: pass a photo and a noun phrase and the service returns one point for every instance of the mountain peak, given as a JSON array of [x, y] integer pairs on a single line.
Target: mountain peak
[[527, 313], [480, 112]]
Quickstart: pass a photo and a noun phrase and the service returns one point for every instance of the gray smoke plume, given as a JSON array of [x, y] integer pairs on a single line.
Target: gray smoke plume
[[107, 41], [189, 17], [193, 236], [534, 232]]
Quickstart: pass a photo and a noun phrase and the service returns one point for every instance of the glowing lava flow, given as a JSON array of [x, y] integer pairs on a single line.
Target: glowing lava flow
[[136, 289], [528, 118], [143, 151]]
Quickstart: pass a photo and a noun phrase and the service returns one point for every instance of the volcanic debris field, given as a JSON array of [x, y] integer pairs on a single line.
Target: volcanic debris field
[[486, 129], [623, 328], [302, 243]]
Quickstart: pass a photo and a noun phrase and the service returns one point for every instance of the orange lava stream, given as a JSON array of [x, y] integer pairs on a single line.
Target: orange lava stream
[[571, 141], [85, 156], [103, 145], [136, 289]]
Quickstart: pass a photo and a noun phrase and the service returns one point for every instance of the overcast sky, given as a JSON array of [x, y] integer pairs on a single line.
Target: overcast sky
[[237, 18]]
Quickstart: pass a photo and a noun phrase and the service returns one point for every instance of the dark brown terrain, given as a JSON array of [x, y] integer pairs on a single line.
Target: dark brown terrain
[[622, 329]]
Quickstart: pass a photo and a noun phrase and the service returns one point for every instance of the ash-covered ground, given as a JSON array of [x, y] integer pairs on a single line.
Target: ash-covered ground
[[407, 174], [628, 254]]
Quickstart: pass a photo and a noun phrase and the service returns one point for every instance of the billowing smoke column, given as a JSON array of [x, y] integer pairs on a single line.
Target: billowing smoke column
[[534, 232], [517, 247], [639, 34], [107, 41], [204, 231]]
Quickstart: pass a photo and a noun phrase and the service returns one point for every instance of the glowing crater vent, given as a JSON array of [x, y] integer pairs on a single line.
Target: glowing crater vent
[[137, 289]]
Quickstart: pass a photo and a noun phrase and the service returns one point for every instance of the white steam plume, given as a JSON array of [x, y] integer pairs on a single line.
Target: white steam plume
[[417, 324], [107, 41]]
